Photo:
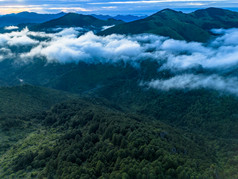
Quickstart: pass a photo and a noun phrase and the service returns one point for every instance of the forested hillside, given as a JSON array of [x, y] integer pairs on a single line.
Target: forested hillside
[[89, 139]]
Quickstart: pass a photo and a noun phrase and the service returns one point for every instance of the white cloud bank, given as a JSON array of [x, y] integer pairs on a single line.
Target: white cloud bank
[[67, 46], [11, 28], [17, 38]]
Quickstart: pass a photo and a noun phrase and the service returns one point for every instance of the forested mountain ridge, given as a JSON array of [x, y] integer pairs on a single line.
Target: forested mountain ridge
[[194, 26], [76, 20]]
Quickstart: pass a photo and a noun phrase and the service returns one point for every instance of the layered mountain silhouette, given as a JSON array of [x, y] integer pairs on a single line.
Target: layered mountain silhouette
[[26, 18], [194, 26]]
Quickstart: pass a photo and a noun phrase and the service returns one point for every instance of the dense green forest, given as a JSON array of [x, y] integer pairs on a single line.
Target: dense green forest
[[106, 125], [93, 138]]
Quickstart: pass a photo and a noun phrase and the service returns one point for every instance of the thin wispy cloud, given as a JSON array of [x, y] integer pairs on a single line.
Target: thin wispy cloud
[[107, 6], [192, 2], [194, 82]]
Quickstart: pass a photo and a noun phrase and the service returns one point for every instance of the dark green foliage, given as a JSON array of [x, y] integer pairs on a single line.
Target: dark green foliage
[[26, 99], [18, 105], [200, 111], [92, 138], [24, 161], [10, 123], [97, 141]]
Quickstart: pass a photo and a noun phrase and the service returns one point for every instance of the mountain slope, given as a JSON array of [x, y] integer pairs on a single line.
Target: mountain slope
[[16, 103], [26, 99], [86, 139], [195, 26], [121, 84], [27, 17], [76, 20], [215, 18]]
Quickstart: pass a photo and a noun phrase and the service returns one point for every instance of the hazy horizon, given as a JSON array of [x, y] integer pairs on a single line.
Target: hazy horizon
[[135, 7], [184, 10]]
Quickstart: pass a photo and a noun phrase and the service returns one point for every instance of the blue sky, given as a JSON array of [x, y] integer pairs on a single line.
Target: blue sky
[[137, 7]]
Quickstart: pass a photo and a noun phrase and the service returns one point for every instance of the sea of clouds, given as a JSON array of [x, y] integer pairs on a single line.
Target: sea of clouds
[[68, 46]]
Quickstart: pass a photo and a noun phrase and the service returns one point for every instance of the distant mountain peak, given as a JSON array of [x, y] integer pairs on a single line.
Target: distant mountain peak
[[168, 10], [62, 13], [77, 20]]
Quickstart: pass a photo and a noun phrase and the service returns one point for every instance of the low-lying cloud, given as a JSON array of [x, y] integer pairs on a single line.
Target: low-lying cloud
[[11, 28], [66, 46], [179, 57], [17, 38], [193, 82], [107, 27]]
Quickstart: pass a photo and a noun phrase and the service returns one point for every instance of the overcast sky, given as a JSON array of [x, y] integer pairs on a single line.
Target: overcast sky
[[138, 7]]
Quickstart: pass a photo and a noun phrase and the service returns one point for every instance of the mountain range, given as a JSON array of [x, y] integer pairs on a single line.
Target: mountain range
[[35, 18], [194, 26], [27, 18], [76, 20]]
